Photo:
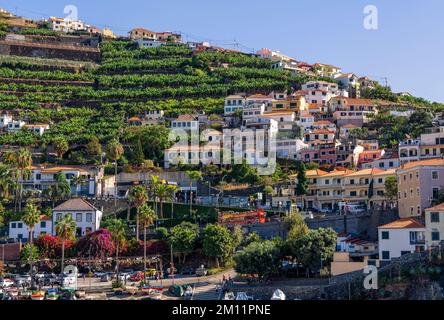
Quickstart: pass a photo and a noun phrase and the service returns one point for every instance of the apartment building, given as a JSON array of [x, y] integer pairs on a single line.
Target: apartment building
[[66, 25], [331, 190], [419, 183], [233, 104], [18, 230], [351, 111]]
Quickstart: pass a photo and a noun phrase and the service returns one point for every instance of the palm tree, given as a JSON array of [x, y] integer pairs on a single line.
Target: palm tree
[[65, 229], [138, 196], [31, 217], [147, 217], [6, 181], [193, 176], [115, 151], [117, 229], [161, 191], [76, 182], [21, 160], [172, 190]]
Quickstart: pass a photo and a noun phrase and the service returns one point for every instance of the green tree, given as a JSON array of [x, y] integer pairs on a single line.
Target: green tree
[[31, 216], [61, 146], [183, 238], [7, 183], [295, 226], [115, 151], [147, 217], [314, 249], [94, 148], [391, 189], [218, 243], [259, 258], [250, 238], [138, 196], [78, 181], [161, 191], [65, 230], [302, 183], [21, 161], [137, 155], [238, 236], [193, 176], [29, 253], [118, 233]]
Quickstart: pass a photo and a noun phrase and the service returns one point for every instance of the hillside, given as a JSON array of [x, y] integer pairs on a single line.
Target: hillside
[[80, 99]]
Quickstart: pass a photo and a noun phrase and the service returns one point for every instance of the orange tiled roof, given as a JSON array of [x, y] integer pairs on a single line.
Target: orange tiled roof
[[430, 162], [355, 101], [323, 122], [439, 207], [316, 172], [405, 223]]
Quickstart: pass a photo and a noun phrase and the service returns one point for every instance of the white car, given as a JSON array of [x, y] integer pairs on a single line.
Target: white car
[[6, 283]]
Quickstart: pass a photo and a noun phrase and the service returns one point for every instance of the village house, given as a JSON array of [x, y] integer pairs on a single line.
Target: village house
[[37, 128], [434, 221], [141, 33], [400, 237], [86, 216], [15, 125], [66, 25], [326, 70], [5, 119], [389, 160], [233, 104], [351, 111], [419, 184], [185, 122], [41, 178], [350, 82], [19, 231]]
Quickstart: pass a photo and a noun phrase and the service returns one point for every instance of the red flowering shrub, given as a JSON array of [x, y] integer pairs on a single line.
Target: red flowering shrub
[[50, 247], [99, 244], [153, 247]]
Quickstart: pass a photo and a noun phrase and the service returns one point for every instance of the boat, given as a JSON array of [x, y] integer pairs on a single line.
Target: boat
[[278, 295], [52, 294], [132, 290], [80, 294], [38, 295], [189, 293], [229, 296], [154, 293], [242, 296], [12, 292]]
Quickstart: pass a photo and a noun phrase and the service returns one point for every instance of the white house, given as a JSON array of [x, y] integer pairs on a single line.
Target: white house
[[234, 103], [186, 122], [66, 25], [5, 119], [154, 114], [400, 237], [18, 230], [253, 110], [86, 216], [149, 43], [15, 125], [37, 128]]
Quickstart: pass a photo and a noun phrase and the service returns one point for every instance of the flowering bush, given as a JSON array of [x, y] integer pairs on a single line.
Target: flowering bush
[[98, 244], [50, 247]]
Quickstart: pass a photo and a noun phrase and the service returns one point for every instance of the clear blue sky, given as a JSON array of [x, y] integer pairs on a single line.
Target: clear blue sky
[[408, 47]]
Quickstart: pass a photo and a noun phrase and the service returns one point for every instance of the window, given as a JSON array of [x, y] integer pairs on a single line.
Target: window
[[434, 216], [435, 175], [43, 224], [79, 217], [20, 225], [404, 253], [385, 235], [385, 255], [58, 217], [435, 236], [89, 217], [13, 225]]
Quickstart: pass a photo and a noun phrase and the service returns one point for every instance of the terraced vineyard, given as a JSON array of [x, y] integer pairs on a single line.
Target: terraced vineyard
[[82, 99]]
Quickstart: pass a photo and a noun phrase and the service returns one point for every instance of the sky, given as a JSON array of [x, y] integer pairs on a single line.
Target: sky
[[407, 47]]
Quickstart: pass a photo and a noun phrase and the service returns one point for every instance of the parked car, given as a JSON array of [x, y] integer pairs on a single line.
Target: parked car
[[6, 283], [201, 271], [136, 276], [188, 270]]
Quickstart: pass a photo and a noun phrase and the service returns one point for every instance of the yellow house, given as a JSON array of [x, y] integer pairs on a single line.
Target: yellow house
[[434, 221], [141, 33]]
